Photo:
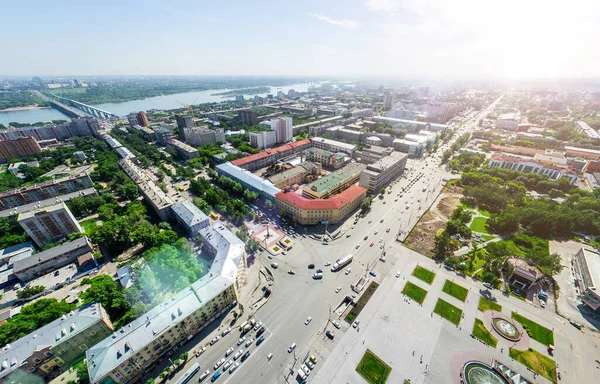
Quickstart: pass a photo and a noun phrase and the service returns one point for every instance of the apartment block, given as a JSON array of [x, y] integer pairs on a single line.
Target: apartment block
[[190, 216], [199, 136], [142, 119], [264, 139], [282, 126], [379, 174], [333, 146], [19, 147], [51, 350], [50, 224], [78, 179], [41, 263], [184, 150], [248, 117], [129, 353]]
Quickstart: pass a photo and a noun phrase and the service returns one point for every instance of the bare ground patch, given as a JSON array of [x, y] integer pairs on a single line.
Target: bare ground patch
[[421, 238]]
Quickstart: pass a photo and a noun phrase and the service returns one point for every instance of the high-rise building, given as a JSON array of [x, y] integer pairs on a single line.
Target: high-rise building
[[20, 147], [49, 224], [283, 129], [388, 100], [239, 98], [132, 119], [201, 136], [84, 126], [280, 95], [291, 94], [248, 117], [142, 119], [262, 139], [183, 122]]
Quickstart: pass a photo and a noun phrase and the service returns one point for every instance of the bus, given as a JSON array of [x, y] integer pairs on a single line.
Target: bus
[[341, 263], [187, 376]]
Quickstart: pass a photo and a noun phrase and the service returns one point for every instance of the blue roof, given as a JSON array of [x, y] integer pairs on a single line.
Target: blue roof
[[248, 179]]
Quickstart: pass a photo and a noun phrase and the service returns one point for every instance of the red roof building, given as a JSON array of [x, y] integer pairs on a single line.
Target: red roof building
[[271, 156]]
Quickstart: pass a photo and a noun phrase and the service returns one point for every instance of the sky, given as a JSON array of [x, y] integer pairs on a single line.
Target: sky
[[463, 39]]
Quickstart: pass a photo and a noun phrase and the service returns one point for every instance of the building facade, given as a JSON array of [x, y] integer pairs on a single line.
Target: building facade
[[295, 175], [50, 224], [327, 159], [248, 117], [271, 156], [379, 174], [51, 259], [308, 211], [190, 217], [333, 145], [130, 353], [508, 121], [264, 139], [51, 350], [530, 165], [19, 147], [184, 122], [586, 265], [36, 192], [184, 150], [283, 129], [200, 136]]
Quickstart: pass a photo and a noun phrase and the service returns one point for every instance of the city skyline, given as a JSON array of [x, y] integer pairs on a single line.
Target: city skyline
[[405, 38]]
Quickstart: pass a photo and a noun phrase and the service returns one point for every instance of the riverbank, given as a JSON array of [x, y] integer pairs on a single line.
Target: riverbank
[[26, 108]]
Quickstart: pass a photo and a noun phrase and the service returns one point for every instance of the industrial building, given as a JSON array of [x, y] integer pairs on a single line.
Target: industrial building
[[379, 174], [333, 210], [51, 350], [49, 224], [129, 353]]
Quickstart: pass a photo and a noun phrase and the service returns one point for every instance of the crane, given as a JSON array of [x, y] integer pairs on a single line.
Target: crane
[[189, 108]]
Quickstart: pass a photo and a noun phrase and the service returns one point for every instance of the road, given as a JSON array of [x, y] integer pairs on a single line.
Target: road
[[296, 297]]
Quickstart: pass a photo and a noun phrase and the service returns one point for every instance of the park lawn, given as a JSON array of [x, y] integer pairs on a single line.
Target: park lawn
[[481, 332], [487, 305], [531, 358], [415, 292], [448, 311], [424, 274], [373, 369], [482, 211], [455, 290], [534, 330], [89, 226], [479, 224]]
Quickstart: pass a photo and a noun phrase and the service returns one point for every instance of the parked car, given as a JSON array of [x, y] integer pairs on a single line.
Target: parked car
[[336, 324], [308, 320], [229, 352], [200, 351], [219, 362], [238, 354], [246, 356], [311, 266], [292, 272], [330, 334], [214, 341], [241, 341], [291, 347], [260, 340], [355, 324]]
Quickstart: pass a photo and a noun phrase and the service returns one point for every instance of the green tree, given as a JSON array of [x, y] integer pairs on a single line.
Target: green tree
[[109, 293], [30, 291], [366, 204], [83, 376]]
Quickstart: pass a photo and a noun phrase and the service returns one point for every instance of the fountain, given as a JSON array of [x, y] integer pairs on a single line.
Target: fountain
[[475, 372], [506, 329]]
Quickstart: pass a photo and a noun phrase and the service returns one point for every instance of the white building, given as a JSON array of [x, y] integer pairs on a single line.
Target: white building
[[264, 139], [529, 165], [283, 129], [190, 216], [582, 126], [333, 145]]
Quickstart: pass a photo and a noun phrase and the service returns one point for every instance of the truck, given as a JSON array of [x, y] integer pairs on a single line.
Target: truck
[[302, 376], [249, 325], [341, 263]]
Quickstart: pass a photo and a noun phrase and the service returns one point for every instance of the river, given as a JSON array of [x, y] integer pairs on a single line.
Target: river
[[159, 102]]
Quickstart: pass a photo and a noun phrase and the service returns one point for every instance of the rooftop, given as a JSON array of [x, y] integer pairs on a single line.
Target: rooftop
[[326, 153], [125, 153], [189, 213], [15, 252], [181, 145], [334, 178], [248, 178], [13, 354], [75, 174], [387, 161], [335, 143], [525, 159], [129, 340], [48, 202], [50, 208], [300, 168], [51, 253], [592, 261], [270, 152], [334, 202]]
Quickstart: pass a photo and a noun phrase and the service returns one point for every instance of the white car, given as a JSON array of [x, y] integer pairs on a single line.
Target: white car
[[357, 245], [229, 352], [348, 270], [258, 325], [542, 303], [336, 324], [227, 365], [249, 342], [241, 341], [308, 320], [234, 367], [238, 354], [291, 347], [309, 364], [204, 375], [219, 362], [338, 289], [306, 370], [327, 264], [226, 331], [398, 274], [214, 341], [200, 351], [355, 324]]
